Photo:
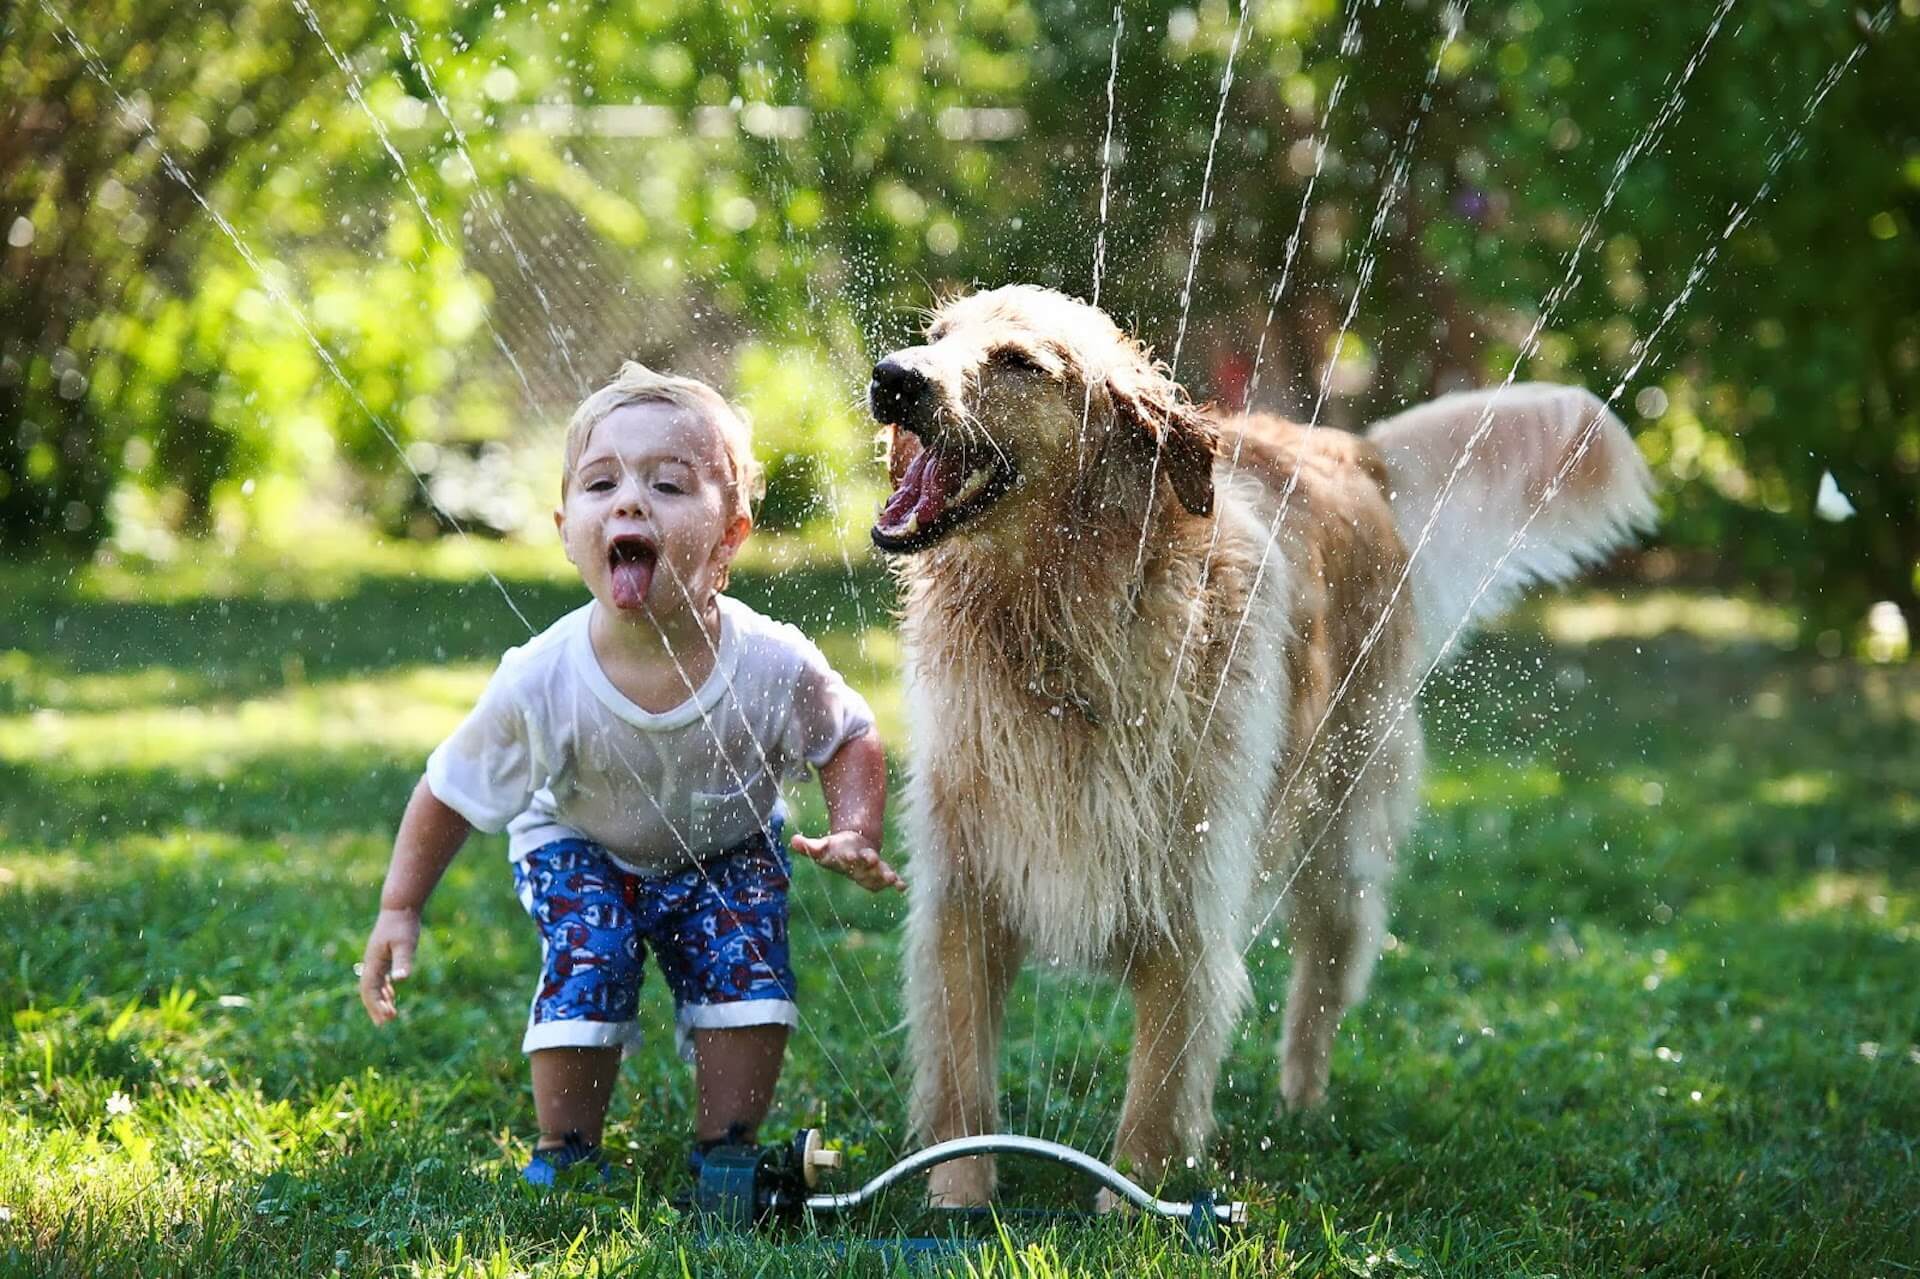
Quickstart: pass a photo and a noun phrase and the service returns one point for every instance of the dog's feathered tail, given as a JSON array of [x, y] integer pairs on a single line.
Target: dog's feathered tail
[[1552, 460]]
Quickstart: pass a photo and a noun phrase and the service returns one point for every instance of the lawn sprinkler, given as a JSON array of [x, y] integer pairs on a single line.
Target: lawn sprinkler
[[741, 1186]]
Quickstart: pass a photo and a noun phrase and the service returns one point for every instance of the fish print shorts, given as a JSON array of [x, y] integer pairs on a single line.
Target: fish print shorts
[[718, 931]]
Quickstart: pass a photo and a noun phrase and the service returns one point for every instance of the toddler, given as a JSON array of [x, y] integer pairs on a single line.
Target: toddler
[[634, 752]]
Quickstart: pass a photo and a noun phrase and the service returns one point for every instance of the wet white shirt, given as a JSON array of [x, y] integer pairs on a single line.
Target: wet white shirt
[[554, 750]]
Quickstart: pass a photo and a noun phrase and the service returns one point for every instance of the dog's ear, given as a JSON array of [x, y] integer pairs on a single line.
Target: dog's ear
[[1187, 452], [1155, 409]]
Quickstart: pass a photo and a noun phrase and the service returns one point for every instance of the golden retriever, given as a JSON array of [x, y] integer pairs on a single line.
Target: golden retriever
[[1160, 674]]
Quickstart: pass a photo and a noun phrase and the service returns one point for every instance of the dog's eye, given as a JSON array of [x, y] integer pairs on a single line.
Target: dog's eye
[[1012, 357]]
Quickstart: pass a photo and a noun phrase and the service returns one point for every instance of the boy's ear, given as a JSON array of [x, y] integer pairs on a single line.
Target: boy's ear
[[732, 540], [560, 527]]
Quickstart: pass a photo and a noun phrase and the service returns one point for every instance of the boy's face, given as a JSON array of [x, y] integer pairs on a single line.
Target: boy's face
[[646, 517]]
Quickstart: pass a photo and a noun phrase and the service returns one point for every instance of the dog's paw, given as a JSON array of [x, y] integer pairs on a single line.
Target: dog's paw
[[1303, 1075], [1300, 1091]]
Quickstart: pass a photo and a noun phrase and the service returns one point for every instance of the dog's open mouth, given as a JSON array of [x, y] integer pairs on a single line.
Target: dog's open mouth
[[630, 564], [944, 485]]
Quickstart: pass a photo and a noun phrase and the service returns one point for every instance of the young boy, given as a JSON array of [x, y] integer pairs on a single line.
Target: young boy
[[634, 753]]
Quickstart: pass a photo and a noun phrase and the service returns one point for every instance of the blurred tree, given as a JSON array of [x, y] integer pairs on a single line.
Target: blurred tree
[[1799, 352], [135, 331], [101, 240], [473, 210]]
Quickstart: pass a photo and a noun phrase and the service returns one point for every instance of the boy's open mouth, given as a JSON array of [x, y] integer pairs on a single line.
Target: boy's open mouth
[[630, 563], [944, 485]]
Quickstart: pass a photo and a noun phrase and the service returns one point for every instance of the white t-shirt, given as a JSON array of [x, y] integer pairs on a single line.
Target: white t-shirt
[[554, 750]]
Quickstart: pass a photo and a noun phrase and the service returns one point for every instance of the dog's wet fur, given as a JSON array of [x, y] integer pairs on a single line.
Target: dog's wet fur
[[1160, 679]]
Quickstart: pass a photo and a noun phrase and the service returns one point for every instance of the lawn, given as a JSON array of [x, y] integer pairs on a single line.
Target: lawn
[[1649, 1007]]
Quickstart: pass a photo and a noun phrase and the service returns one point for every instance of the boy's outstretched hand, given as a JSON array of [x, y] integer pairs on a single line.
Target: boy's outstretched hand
[[389, 958], [851, 854]]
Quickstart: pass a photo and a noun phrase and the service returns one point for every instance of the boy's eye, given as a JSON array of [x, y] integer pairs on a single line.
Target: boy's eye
[[666, 486], [599, 485]]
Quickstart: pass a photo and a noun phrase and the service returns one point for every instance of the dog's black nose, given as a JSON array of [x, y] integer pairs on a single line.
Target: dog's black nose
[[895, 392]]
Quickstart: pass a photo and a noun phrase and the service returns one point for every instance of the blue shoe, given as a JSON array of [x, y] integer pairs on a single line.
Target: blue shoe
[[737, 1134], [549, 1167]]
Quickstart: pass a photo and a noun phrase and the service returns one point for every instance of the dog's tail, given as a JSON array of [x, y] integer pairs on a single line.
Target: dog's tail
[[1496, 490]]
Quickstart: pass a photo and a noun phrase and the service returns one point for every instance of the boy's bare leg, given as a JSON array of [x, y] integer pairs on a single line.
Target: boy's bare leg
[[571, 1090], [735, 1071]]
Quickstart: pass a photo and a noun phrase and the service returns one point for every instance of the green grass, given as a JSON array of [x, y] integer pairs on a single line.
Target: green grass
[[1650, 1006]]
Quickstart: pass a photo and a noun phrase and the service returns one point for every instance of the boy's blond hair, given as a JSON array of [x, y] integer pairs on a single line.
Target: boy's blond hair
[[635, 383]]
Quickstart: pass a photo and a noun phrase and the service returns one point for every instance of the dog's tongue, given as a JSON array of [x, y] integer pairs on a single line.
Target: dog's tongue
[[922, 495], [631, 578]]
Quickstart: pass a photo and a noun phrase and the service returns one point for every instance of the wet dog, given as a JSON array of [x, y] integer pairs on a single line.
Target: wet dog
[[1161, 667]]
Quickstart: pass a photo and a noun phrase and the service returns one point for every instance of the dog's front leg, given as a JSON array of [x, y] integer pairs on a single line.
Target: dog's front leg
[[961, 960], [1185, 1001]]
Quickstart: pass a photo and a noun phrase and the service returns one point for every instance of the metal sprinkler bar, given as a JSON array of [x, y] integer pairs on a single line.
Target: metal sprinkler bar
[[742, 1185]]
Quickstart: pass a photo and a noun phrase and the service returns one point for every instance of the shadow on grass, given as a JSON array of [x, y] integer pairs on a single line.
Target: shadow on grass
[[55, 807]]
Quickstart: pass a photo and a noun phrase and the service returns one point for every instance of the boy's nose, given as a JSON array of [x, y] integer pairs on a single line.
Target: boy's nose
[[628, 496]]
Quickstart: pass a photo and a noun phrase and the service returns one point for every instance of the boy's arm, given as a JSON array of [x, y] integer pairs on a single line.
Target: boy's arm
[[854, 783], [430, 834]]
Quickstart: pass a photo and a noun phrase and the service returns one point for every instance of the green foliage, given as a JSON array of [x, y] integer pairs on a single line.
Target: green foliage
[[1800, 351], [803, 178], [103, 243], [814, 440]]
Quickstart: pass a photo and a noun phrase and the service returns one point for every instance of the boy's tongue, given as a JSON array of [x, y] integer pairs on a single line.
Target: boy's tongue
[[632, 575]]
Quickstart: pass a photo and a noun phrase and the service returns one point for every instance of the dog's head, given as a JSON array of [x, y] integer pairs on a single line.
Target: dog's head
[[1027, 408]]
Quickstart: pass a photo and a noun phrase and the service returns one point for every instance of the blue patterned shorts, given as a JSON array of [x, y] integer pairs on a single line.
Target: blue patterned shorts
[[718, 931]]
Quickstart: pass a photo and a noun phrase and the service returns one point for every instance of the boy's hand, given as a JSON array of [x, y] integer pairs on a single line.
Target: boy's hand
[[389, 958], [851, 854]]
